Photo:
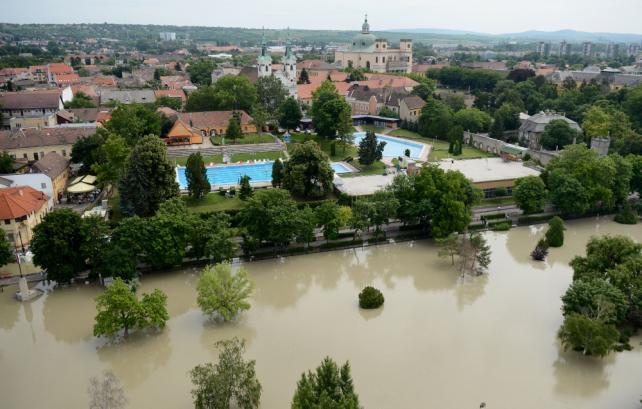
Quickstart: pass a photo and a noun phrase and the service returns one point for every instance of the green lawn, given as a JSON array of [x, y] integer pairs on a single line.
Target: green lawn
[[246, 139], [206, 159], [497, 201], [376, 129], [377, 168], [237, 157], [404, 133], [440, 148], [212, 202]]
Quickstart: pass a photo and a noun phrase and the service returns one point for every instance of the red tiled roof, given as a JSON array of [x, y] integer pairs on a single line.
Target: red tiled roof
[[59, 68], [16, 202], [103, 116], [49, 99], [34, 137], [304, 91], [67, 79], [172, 93], [102, 80]]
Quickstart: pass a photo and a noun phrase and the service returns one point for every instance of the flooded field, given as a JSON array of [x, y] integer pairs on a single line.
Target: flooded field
[[438, 342]]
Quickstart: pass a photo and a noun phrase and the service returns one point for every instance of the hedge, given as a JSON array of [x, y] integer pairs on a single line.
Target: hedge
[[534, 218]]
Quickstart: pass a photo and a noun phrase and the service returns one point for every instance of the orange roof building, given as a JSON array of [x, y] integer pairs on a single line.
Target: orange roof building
[[182, 134], [63, 80], [172, 93], [21, 209]]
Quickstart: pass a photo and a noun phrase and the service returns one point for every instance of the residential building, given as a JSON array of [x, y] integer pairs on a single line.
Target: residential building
[[587, 49], [375, 54], [32, 144], [33, 108], [167, 36], [56, 69], [370, 101], [220, 72], [633, 50], [57, 168], [171, 93], [211, 123], [544, 49], [410, 108], [531, 130], [38, 181], [134, 96], [612, 50], [21, 210], [565, 49], [183, 134]]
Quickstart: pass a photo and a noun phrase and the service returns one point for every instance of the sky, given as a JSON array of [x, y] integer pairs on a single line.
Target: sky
[[488, 16]]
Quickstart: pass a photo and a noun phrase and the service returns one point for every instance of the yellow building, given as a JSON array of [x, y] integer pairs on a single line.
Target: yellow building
[[33, 144], [57, 168], [375, 54], [21, 209]]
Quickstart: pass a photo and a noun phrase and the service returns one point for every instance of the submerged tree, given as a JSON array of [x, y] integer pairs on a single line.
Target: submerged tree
[[223, 293], [231, 382], [106, 392], [541, 250], [555, 232], [449, 246], [475, 254], [328, 387]]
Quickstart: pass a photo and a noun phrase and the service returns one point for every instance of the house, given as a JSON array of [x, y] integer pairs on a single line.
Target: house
[[171, 93], [56, 69], [304, 91], [134, 96], [29, 108], [57, 168], [210, 123], [32, 144], [38, 181], [21, 210], [531, 130], [175, 81], [220, 72], [410, 108], [104, 80], [368, 101], [183, 134], [64, 80]]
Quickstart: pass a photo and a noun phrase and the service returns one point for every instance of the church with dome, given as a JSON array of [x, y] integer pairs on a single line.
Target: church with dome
[[375, 54]]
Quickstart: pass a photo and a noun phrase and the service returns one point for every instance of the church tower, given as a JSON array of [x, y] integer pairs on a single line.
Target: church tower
[[264, 60], [289, 68]]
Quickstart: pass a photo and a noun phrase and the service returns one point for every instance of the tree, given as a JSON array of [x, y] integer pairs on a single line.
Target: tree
[[328, 218], [423, 91], [198, 185], [228, 93], [270, 94], [331, 114], [80, 100], [306, 222], [246, 189], [328, 387], [6, 253], [86, 150], [223, 294], [171, 102], [604, 254], [231, 382], [119, 309], [304, 78], [590, 336], [597, 299], [114, 154], [557, 134], [133, 122], [95, 238], [456, 140], [454, 101], [384, 207], [449, 246], [497, 128], [57, 243], [200, 71], [360, 220], [530, 194], [271, 215], [626, 215], [633, 106], [435, 120], [370, 150], [474, 254], [148, 180], [541, 250], [114, 260], [277, 173], [388, 113], [210, 237], [106, 392], [234, 128], [290, 114], [6, 163], [308, 173], [473, 120], [520, 74], [555, 232]]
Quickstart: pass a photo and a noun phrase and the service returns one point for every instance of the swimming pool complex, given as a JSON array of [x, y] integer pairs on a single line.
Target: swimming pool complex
[[394, 146], [260, 172]]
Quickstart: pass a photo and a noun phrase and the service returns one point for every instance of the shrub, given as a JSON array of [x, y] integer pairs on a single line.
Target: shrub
[[407, 153], [533, 218], [501, 192], [541, 250], [626, 215], [333, 149], [501, 226], [370, 298], [494, 216], [555, 232]]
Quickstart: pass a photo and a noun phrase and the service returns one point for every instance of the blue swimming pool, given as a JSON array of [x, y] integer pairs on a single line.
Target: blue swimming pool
[[222, 175], [231, 174], [394, 146]]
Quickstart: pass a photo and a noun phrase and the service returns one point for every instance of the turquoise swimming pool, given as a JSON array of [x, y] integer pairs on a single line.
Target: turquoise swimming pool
[[394, 146], [222, 175]]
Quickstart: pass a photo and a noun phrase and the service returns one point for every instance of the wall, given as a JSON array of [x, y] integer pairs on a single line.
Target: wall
[[484, 142], [28, 153]]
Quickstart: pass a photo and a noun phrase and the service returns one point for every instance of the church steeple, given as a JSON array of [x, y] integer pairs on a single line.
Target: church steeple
[[365, 28], [263, 44]]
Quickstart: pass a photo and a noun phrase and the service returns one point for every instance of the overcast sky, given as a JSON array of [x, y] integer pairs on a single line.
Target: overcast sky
[[491, 16]]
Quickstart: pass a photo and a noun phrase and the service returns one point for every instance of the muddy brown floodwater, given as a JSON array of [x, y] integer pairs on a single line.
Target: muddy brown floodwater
[[439, 341]]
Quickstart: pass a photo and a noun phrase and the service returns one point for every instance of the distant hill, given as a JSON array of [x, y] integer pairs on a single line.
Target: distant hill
[[534, 35]]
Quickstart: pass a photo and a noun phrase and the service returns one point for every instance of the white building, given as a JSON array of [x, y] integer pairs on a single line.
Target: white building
[[287, 74], [167, 36]]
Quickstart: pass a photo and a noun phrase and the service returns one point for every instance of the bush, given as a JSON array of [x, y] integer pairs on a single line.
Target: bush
[[534, 218], [626, 215], [555, 232], [370, 298], [501, 226], [541, 250], [494, 216], [501, 192]]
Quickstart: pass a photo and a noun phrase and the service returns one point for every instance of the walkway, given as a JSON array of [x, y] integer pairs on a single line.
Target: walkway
[[209, 149]]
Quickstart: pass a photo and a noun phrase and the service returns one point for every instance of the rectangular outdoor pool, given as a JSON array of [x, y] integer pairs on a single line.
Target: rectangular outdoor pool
[[222, 175], [394, 146], [340, 167]]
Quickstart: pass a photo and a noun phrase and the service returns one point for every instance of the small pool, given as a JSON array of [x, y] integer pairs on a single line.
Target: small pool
[[340, 167], [394, 146], [222, 175]]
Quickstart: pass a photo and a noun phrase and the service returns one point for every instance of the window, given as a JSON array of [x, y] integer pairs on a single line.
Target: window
[[376, 59], [7, 221], [43, 185], [383, 59], [35, 156], [377, 45], [24, 155]]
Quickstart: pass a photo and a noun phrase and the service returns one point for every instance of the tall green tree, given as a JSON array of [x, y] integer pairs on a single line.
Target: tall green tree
[[133, 122], [222, 293], [590, 336], [370, 150], [474, 254], [148, 180], [245, 192], [530, 194], [633, 106], [308, 173], [86, 150], [80, 100], [331, 114], [277, 173], [228, 93], [113, 154], [270, 94], [328, 387], [436, 119], [200, 71], [231, 382], [198, 184], [473, 120], [328, 218], [6, 163], [271, 215], [290, 114], [57, 245], [234, 128], [558, 134]]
